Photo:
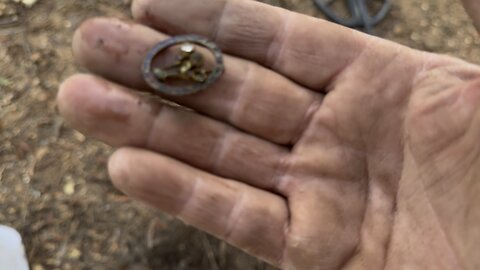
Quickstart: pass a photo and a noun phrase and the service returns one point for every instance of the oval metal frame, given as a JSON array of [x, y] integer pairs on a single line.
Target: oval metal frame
[[163, 88]]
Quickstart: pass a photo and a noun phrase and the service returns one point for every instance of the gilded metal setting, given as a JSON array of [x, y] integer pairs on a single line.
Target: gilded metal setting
[[189, 66]]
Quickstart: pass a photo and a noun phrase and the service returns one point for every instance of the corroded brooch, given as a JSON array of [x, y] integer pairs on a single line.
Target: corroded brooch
[[181, 65]]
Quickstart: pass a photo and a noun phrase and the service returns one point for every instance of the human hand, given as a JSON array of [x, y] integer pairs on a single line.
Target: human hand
[[347, 152]]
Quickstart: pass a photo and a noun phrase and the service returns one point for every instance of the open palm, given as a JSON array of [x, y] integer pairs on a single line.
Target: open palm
[[320, 147]]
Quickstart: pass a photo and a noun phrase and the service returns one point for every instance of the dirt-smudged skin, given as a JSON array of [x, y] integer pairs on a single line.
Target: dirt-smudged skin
[[40, 155]]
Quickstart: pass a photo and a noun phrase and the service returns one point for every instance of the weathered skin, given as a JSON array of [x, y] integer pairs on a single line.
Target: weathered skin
[[319, 148]]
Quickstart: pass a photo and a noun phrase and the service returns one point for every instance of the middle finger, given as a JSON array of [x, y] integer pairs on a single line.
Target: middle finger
[[116, 116]]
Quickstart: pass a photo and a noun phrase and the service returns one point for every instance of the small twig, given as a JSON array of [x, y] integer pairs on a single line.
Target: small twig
[[13, 20], [10, 21], [223, 254], [2, 169], [57, 128], [14, 24], [154, 225], [210, 253]]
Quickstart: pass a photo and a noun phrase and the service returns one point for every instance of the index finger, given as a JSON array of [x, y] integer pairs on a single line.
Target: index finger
[[307, 50]]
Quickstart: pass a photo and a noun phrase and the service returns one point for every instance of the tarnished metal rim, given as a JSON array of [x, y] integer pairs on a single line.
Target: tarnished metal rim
[[162, 88]]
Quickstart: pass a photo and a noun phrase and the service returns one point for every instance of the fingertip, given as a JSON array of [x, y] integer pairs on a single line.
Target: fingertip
[[119, 168], [114, 49], [86, 36], [139, 11], [136, 172], [95, 106], [100, 41], [72, 93]]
